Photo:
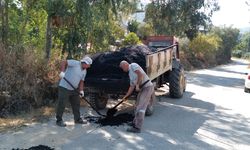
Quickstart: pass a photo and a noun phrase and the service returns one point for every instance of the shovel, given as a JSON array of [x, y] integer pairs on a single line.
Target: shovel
[[84, 98], [113, 110]]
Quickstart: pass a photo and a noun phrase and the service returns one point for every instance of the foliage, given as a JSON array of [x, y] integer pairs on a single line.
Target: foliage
[[75, 24], [133, 26], [237, 53], [24, 75], [246, 55], [179, 17], [243, 48], [94, 22], [131, 39], [244, 43], [201, 51], [145, 30], [205, 44], [229, 38], [26, 24]]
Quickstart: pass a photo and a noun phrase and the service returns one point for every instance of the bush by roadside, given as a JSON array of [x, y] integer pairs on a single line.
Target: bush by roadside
[[26, 81], [207, 50], [199, 53]]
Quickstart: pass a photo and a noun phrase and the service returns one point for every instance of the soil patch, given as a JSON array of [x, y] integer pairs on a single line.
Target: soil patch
[[116, 120], [39, 147]]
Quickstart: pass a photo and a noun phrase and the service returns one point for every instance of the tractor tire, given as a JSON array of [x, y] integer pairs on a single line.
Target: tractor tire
[[98, 101], [177, 82]]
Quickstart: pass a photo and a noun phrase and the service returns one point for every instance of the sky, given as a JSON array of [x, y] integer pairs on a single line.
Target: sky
[[233, 13]]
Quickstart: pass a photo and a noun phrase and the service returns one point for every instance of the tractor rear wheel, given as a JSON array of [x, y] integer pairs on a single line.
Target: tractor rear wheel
[[177, 82]]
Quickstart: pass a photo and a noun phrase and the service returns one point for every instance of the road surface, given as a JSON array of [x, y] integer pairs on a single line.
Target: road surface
[[214, 114]]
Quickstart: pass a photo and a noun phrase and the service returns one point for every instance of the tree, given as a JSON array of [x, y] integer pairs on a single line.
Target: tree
[[22, 23], [71, 25], [4, 9], [93, 23], [229, 38], [179, 17], [243, 48]]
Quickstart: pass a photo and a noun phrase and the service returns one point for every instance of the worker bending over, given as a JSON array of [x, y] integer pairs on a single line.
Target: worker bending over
[[138, 78]]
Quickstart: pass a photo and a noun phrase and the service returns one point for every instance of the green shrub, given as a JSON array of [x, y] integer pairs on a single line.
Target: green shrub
[[205, 47], [145, 30], [205, 44], [237, 53], [246, 55], [131, 39]]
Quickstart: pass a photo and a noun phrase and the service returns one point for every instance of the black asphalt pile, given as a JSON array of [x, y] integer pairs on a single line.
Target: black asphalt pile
[[117, 120], [107, 64], [39, 147]]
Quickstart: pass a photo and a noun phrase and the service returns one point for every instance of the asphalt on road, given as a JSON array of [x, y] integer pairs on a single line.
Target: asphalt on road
[[213, 114]]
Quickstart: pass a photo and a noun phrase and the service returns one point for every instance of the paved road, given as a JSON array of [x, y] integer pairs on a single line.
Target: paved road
[[213, 114]]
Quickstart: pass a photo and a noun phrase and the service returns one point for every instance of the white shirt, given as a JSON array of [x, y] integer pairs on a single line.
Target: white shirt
[[74, 74], [134, 77]]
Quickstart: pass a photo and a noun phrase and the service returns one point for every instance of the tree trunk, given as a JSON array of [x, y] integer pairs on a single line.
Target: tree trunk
[[48, 38], [5, 21], [1, 25]]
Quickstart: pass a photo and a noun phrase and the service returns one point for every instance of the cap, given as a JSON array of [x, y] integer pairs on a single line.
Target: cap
[[87, 60]]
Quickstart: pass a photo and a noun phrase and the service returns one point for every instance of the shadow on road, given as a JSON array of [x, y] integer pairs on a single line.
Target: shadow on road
[[220, 76], [206, 80], [241, 72], [190, 123]]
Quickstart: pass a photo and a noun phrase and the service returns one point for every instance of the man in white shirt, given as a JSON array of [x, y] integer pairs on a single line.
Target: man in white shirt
[[75, 72], [137, 78]]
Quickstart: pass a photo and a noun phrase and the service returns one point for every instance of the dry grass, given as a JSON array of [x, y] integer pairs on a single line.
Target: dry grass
[[27, 75], [15, 123], [40, 115]]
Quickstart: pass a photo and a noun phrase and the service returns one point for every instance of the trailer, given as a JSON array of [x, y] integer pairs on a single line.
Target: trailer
[[162, 65]]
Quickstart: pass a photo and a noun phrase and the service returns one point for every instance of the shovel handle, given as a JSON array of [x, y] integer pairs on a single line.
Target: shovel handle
[[83, 97], [119, 103]]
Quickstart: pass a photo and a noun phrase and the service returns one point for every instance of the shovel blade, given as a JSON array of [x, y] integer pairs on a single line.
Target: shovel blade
[[111, 112]]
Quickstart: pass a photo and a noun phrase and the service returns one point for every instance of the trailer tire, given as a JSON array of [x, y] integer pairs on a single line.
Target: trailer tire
[[150, 108], [149, 111], [98, 101], [177, 82]]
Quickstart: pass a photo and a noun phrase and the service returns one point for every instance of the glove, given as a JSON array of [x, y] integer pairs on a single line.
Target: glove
[[62, 74], [81, 94]]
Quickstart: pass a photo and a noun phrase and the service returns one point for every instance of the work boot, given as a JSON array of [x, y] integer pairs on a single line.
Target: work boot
[[134, 130], [60, 123], [80, 121], [131, 124]]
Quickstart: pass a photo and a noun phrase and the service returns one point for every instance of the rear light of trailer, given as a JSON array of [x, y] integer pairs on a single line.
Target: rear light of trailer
[[248, 77]]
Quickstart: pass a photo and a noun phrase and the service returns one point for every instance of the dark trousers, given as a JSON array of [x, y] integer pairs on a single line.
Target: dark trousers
[[65, 95]]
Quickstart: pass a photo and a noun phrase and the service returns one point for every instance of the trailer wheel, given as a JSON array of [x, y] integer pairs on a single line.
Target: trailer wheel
[[98, 101], [150, 108], [177, 82]]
